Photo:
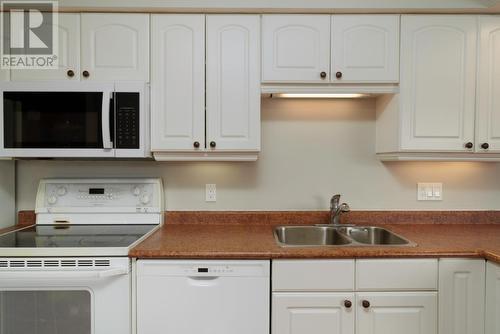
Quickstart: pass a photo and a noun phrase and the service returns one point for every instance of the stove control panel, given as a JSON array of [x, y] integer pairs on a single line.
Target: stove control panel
[[100, 195]]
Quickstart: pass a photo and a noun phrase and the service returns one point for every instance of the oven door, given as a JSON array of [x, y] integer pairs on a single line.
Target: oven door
[[85, 299], [56, 120]]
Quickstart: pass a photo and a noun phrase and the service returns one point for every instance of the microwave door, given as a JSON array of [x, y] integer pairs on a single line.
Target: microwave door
[[49, 123]]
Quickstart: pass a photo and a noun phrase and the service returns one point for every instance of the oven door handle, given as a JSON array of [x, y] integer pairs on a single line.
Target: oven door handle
[[106, 122], [63, 274]]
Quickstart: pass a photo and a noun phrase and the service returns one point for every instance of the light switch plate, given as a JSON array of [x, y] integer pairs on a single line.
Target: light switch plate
[[210, 192], [429, 191]]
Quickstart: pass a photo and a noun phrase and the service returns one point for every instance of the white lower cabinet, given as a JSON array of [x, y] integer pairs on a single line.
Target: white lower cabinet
[[396, 312], [374, 305], [318, 313], [461, 296], [492, 298]]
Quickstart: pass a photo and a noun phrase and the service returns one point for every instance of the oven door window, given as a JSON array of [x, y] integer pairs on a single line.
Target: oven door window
[[62, 120], [45, 312]]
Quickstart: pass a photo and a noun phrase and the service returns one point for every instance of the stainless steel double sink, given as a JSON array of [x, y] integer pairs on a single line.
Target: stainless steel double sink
[[327, 235]]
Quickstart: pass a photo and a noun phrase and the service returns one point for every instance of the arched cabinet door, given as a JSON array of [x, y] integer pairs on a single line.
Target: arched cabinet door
[[177, 82], [488, 86], [365, 48], [233, 82], [68, 28], [295, 48], [438, 78], [115, 46]]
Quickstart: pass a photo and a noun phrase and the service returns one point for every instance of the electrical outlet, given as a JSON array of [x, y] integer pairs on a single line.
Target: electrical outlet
[[210, 192], [429, 191]]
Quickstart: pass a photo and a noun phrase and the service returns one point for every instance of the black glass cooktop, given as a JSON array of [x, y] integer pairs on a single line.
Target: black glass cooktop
[[53, 236]]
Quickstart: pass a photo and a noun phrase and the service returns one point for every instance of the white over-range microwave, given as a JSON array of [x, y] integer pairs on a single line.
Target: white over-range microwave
[[74, 120]]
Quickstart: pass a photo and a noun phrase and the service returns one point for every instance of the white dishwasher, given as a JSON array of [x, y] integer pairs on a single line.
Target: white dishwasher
[[203, 297]]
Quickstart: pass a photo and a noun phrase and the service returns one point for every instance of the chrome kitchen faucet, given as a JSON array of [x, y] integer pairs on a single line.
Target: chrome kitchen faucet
[[336, 209]]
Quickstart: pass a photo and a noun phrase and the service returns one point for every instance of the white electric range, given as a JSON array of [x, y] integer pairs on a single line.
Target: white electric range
[[69, 273]]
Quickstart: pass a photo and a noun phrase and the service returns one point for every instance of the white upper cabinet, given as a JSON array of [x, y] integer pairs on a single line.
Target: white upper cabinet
[[461, 296], [396, 313], [115, 46], [365, 48], [68, 55], [488, 86], [177, 82], [233, 82], [438, 76], [296, 48]]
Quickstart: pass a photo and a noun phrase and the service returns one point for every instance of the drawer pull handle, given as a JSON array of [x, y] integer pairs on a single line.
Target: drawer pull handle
[[365, 303], [469, 145], [347, 303]]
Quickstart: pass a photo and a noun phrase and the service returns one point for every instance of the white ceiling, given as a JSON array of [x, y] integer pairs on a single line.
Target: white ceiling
[[258, 6]]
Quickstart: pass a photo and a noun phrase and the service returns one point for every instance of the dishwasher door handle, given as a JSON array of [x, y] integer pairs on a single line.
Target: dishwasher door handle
[[203, 278]]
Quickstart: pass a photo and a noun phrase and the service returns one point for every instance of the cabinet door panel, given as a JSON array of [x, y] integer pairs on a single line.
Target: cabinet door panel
[[365, 48], [492, 298], [177, 82], [488, 85], [69, 53], [296, 48], [115, 46], [233, 82], [319, 313], [461, 296], [397, 312], [438, 74]]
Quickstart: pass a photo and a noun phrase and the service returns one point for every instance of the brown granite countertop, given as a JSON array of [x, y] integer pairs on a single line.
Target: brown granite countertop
[[250, 236]]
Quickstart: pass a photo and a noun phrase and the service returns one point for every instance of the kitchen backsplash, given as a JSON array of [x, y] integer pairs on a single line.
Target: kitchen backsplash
[[311, 149]]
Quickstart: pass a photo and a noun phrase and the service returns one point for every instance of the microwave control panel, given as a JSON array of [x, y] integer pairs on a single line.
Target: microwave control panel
[[127, 120]]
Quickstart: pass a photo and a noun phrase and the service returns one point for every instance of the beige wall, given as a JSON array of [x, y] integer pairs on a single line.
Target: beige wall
[[310, 151]]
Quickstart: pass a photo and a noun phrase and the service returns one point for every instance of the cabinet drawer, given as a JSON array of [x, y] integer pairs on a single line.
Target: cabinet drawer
[[414, 274], [313, 275]]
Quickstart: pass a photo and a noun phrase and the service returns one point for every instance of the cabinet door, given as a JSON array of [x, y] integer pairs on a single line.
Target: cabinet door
[[461, 296], [295, 48], [69, 53], [488, 86], [115, 46], [365, 48], [233, 82], [396, 313], [177, 82], [318, 313], [492, 298], [438, 75]]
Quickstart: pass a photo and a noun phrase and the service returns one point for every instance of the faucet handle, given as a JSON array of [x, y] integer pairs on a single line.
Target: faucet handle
[[334, 201], [344, 207]]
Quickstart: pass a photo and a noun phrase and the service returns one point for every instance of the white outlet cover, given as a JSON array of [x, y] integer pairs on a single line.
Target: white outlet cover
[[429, 191], [210, 192]]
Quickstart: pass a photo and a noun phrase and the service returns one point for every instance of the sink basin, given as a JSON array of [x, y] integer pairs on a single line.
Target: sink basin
[[324, 235], [371, 235], [310, 236]]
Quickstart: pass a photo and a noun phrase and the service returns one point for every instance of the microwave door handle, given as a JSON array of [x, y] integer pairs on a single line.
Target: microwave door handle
[[55, 274], [106, 123]]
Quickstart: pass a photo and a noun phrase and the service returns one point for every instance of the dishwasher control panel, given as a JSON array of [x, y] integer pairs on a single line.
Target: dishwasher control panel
[[211, 270]]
